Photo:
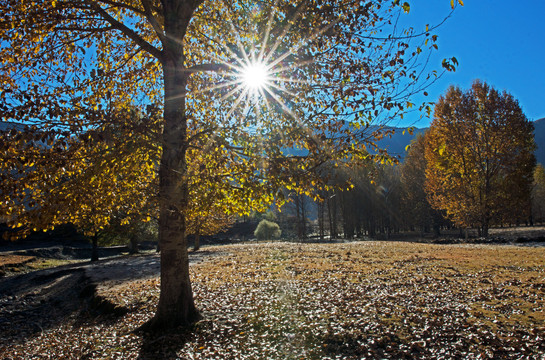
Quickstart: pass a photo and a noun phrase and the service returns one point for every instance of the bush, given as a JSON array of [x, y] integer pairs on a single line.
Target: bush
[[266, 230]]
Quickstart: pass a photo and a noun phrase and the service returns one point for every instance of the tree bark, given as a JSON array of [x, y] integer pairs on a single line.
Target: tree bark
[[94, 250], [176, 305], [197, 243]]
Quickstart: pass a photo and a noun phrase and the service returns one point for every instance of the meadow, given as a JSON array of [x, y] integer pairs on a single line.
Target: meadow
[[357, 300]]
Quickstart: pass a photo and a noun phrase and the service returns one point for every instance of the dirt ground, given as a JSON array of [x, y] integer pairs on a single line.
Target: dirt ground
[[45, 297]]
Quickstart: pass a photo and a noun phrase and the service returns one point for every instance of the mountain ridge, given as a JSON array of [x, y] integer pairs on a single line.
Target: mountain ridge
[[396, 144]]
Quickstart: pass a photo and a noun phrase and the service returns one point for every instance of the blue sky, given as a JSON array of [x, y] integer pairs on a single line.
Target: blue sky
[[499, 41]]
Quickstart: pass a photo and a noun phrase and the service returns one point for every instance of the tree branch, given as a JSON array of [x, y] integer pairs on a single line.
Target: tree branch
[[144, 45], [122, 5], [153, 20], [207, 67]]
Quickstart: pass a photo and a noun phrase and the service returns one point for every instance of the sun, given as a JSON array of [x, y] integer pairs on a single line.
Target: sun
[[255, 76]]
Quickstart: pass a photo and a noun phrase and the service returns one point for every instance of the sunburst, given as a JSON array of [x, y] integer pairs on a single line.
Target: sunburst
[[255, 76], [258, 75]]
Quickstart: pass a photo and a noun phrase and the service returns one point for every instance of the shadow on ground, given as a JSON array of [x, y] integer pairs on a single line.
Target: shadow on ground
[[163, 345], [33, 302]]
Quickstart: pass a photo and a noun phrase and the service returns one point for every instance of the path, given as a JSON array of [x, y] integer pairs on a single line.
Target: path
[[32, 302]]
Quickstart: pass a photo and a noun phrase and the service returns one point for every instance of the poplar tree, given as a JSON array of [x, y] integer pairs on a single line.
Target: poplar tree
[[480, 157]]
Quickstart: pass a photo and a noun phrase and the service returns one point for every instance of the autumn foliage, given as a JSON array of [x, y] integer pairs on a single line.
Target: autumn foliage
[[359, 300], [480, 158]]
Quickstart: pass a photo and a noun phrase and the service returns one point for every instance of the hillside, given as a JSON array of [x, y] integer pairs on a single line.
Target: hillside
[[397, 143], [539, 133]]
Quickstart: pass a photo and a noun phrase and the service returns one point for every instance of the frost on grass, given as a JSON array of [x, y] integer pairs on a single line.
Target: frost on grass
[[328, 301]]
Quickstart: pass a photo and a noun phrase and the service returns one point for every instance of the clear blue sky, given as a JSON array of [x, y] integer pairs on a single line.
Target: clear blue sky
[[501, 42]]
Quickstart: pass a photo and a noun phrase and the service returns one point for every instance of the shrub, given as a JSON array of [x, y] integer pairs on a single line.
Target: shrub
[[267, 230]]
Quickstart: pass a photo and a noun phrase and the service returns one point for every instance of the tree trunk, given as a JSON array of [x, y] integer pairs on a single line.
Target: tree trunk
[[321, 214], [332, 215], [303, 216], [197, 243], [94, 251], [176, 305], [485, 225], [133, 245]]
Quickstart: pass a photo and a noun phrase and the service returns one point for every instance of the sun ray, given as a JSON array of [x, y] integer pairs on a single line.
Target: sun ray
[[301, 44], [258, 73], [282, 89], [281, 103], [237, 101], [291, 67], [282, 35], [218, 86], [267, 33]]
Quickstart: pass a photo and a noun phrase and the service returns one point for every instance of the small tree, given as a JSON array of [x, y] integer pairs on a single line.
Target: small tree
[[267, 230]]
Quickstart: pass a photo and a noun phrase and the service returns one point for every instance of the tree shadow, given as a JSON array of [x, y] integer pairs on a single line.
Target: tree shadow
[[165, 344], [33, 302]]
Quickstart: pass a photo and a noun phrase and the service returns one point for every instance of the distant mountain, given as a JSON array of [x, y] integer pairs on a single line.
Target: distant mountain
[[539, 134], [397, 143], [6, 125]]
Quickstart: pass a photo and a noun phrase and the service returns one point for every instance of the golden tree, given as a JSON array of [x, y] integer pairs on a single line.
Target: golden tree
[[538, 194], [480, 157], [87, 180], [258, 78]]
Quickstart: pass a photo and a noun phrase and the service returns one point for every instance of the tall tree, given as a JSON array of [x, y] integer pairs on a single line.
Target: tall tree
[[480, 154], [416, 208], [326, 68], [538, 194]]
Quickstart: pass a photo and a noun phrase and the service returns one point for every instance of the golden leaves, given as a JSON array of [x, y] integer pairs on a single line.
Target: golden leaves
[[473, 155], [368, 300]]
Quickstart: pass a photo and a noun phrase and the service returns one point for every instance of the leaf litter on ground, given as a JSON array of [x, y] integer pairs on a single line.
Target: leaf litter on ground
[[383, 300]]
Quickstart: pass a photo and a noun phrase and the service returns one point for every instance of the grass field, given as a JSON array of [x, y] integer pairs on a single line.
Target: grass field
[[15, 264], [357, 300]]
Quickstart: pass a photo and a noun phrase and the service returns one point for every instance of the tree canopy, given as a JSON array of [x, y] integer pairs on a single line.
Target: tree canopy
[[480, 157]]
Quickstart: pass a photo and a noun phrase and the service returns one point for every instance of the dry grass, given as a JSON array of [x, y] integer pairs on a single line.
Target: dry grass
[[14, 260], [16, 264], [328, 301]]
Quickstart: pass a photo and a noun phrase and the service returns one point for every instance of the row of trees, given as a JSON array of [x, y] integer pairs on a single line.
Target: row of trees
[[473, 168]]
